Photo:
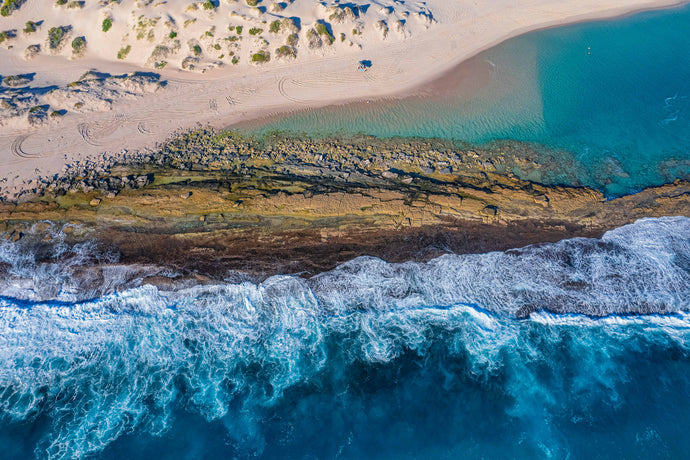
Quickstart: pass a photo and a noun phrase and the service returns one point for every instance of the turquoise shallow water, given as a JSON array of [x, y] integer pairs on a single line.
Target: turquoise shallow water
[[613, 97], [369, 361]]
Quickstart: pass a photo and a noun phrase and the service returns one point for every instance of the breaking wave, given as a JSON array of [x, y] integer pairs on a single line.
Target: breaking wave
[[549, 345]]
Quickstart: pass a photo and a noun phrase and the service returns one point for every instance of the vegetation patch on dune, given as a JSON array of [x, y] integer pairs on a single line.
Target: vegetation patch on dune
[[124, 52], [17, 80], [322, 29], [196, 36], [57, 36], [274, 27], [10, 6], [313, 39], [261, 56], [286, 52], [78, 46], [30, 27], [292, 40], [7, 35], [31, 51]]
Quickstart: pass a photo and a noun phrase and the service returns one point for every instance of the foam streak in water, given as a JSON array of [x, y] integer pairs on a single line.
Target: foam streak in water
[[361, 343]]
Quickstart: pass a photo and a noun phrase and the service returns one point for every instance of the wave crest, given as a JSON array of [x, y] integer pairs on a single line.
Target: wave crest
[[97, 370]]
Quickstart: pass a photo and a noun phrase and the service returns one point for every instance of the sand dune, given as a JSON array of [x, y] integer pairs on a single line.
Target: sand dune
[[224, 62]]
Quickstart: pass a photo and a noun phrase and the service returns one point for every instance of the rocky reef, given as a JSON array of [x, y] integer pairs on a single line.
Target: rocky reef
[[221, 203]]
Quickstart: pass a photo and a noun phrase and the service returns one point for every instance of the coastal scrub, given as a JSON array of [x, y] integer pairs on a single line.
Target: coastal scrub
[[275, 26], [10, 6], [286, 52], [78, 46], [30, 27], [322, 29], [6, 35], [57, 36], [124, 52], [261, 56]]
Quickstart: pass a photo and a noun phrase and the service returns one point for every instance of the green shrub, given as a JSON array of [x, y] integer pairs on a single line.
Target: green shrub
[[321, 29], [107, 24], [239, 29], [275, 26], [255, 31], [31, 51], [76, 4], [172, 35], [235, 60], [252, 2], [56, 35], [216, 47], [30, 27], [10, 6], [79, 45], [261, 56], [17, 80], [337, 16], [61, 2], [124, 52], [292, 40], [6, 35], [286, 51], [159, 53], [196, 49], [209, 5], [313, 39]]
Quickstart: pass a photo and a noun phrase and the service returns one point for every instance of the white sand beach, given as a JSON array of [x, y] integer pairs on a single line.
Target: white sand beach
[[222, 63]]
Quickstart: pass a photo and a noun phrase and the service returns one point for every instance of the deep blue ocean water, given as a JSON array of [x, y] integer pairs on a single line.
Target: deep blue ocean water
[[611, 97], [371, 360]]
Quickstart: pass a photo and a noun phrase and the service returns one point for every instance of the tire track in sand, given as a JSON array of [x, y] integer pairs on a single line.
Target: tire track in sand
[[141, 127], [281, 90], [17, 149], [92, 132]]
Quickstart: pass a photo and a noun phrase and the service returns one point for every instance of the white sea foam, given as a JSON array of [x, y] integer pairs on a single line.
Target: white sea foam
[[103, 367], [639, 268]]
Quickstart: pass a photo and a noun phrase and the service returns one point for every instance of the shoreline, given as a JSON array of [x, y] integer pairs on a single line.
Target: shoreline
[[222, 205], [439, 84], [56, 145]]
